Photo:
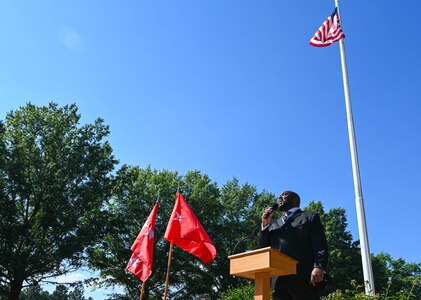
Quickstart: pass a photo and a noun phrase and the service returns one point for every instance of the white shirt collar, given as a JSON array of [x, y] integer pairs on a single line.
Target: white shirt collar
[[293, 210]]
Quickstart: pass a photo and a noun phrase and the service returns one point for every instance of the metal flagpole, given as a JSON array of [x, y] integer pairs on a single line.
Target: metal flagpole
[[362, 225]]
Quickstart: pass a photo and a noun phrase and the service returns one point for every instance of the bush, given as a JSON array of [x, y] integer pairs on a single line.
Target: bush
[[357, 293], [241, 293]]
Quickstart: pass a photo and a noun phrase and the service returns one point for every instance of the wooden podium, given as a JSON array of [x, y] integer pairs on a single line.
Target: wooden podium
[[260, 265]]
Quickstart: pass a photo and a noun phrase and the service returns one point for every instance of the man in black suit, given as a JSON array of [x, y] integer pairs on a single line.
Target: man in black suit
[[301, 236]]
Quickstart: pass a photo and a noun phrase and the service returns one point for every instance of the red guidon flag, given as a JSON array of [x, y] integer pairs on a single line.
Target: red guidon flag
[[329, 32], [185, 230], [140, 264]]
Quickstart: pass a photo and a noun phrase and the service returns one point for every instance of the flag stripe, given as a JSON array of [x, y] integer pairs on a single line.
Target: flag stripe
[[329, 32]]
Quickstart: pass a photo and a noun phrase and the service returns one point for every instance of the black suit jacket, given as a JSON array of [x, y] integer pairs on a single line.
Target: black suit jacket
[[302, 237]]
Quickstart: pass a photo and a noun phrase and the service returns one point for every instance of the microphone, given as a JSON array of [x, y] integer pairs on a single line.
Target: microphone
[[255, 232], [273, 207]]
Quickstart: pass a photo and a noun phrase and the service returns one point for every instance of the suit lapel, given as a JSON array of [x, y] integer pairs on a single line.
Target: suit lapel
[[291, 218], [296, 214], [279, 223]]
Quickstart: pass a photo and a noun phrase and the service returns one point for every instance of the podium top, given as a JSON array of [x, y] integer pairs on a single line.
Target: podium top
[[262, 250], [263, 260]]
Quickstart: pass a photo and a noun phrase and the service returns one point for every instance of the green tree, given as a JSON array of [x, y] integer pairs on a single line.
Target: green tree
[[238, 227], [78, 293], [34, 292], [395, 275], [245, 292], [61, 292], [222, 212], [391, 276], [54, 178], [344, 254], [134, 195], [230, 215]]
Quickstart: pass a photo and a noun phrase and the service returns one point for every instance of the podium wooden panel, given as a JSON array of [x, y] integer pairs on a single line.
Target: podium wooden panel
[[260, 265]]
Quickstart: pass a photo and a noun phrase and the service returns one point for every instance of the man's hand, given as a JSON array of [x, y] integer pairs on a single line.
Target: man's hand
[[266, 221], [317, 276]]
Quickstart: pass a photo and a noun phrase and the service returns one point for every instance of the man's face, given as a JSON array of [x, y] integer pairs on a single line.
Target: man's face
[[286, 201]]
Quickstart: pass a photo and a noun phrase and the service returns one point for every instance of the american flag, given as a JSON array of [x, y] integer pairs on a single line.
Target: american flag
[[329, 32]]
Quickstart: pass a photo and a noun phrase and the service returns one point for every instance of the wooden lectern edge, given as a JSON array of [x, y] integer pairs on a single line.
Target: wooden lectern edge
[[276, 252], [260, 265], [271, 272], [290, 267]]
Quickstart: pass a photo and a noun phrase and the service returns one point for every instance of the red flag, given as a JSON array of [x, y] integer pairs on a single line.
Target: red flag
[[185, 230], [329, 32], [140, 263]]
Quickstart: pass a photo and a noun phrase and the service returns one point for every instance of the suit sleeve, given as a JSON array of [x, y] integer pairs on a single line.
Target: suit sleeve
[[319, 241], [263, 236]]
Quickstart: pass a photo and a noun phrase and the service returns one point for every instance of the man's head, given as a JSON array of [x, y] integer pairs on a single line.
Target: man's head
[[288, 200]]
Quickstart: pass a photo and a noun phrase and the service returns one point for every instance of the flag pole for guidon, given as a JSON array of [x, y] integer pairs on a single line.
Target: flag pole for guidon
[[168, 272], [142, 290]]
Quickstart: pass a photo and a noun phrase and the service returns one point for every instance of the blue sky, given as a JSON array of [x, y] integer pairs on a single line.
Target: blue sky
[[232, 88]]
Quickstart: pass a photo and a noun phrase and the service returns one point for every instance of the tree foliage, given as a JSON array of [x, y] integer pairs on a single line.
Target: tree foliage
[[395, 279], [230, 215], [245, 292], [54, 178], [344, 258], [61, 292], [60, 207], [396, 275], [390, 276], [224, 213]]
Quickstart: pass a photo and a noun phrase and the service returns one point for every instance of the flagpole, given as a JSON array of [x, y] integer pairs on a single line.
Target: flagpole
[[142, 290], [168, 272], [362, 225]]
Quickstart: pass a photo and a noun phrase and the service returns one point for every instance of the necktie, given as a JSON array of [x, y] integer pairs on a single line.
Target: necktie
[[286, 216]]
